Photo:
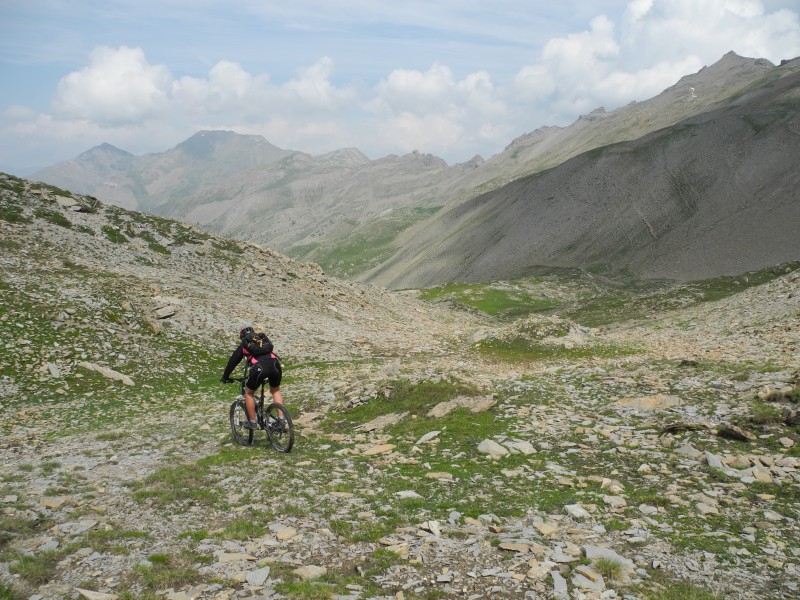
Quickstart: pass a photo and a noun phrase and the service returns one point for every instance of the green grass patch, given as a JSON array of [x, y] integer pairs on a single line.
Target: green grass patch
[[226, 245], [680, 590], [359, 531], [365, 245], [506, 300], [7, 592], [114, 234], [13, 214], [35, 570], [53, 216], [12, 183], [401, 396], [241, 529], [762, 413], [182, 485], [306, 589], [611, 570], [110, 540], [12, 527], [153, 243], [49, 467], [165, 571]]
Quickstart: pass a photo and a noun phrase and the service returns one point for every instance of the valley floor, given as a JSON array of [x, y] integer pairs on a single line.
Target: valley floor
[[440, 452], [607, 477]]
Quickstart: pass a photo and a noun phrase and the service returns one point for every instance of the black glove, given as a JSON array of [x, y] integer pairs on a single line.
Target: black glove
[[226, 379]]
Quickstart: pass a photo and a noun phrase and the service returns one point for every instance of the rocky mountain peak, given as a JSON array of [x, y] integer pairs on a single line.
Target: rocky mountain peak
[[105, 148]]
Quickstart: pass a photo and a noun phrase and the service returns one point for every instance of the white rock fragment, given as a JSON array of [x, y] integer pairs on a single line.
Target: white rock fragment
[[428, 436], [107, 373], [310, 572], [577, 512], [407, 494], [615, 501], [520, 447], [492, 448]]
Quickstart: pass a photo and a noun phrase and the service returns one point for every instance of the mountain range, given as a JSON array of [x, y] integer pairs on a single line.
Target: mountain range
[[698, 181]]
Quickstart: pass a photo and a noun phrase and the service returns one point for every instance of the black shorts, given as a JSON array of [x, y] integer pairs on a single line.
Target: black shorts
[[266, 368]]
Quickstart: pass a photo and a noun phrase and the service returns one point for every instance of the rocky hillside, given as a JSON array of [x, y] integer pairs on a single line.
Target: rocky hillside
[[705, 197], [350, 213], [441, 451]]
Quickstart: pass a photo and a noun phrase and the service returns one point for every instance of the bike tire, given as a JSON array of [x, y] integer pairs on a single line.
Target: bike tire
[[241, 434], [278, 423]]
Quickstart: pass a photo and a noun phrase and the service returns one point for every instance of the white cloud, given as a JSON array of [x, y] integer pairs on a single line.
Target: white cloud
[[534, 83], [578, 53], [424, 133], [118, 87], [414, 92], [670, 29], [619, 87], [228, 90], [122, 98], [313, 90]]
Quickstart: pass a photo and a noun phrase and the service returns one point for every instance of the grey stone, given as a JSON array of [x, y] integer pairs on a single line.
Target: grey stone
[[259, 576], [560, 589]]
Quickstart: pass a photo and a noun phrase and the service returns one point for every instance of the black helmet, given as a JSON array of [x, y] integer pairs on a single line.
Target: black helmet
[[243, 332]]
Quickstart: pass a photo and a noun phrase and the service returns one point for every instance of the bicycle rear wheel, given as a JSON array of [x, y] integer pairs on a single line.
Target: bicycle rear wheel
[[280, 430], [238, 417]]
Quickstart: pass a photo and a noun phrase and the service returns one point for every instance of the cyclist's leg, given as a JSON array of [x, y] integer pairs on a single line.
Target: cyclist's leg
[[250, 403], [276, 394], [274, 374], [251, 385]]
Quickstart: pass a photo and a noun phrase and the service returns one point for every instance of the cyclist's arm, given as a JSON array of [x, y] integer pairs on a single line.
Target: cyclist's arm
[[233, 361]]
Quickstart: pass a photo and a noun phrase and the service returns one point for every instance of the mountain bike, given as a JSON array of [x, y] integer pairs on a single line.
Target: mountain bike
[[273, 418]]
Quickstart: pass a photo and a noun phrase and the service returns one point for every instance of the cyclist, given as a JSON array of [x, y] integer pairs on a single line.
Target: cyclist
[[266, 366]]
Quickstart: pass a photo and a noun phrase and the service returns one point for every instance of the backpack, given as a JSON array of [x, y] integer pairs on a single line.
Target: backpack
[[257, 344]]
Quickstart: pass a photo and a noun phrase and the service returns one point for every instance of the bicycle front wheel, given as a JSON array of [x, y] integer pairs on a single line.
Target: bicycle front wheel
[[280, 430], [238, 417]]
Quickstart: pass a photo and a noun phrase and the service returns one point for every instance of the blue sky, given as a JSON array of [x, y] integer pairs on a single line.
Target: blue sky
[[453, 78]]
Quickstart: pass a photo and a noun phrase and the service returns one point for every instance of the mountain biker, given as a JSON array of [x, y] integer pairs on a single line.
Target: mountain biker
[[266, 366]]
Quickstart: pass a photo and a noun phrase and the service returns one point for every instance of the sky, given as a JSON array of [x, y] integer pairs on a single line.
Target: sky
[[453, 78]]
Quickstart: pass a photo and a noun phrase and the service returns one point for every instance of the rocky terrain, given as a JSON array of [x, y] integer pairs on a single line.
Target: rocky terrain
[[648, 449]]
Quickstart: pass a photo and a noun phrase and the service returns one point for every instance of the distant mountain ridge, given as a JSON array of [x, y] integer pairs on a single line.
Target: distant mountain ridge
[[154, 180], [355, 216]]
